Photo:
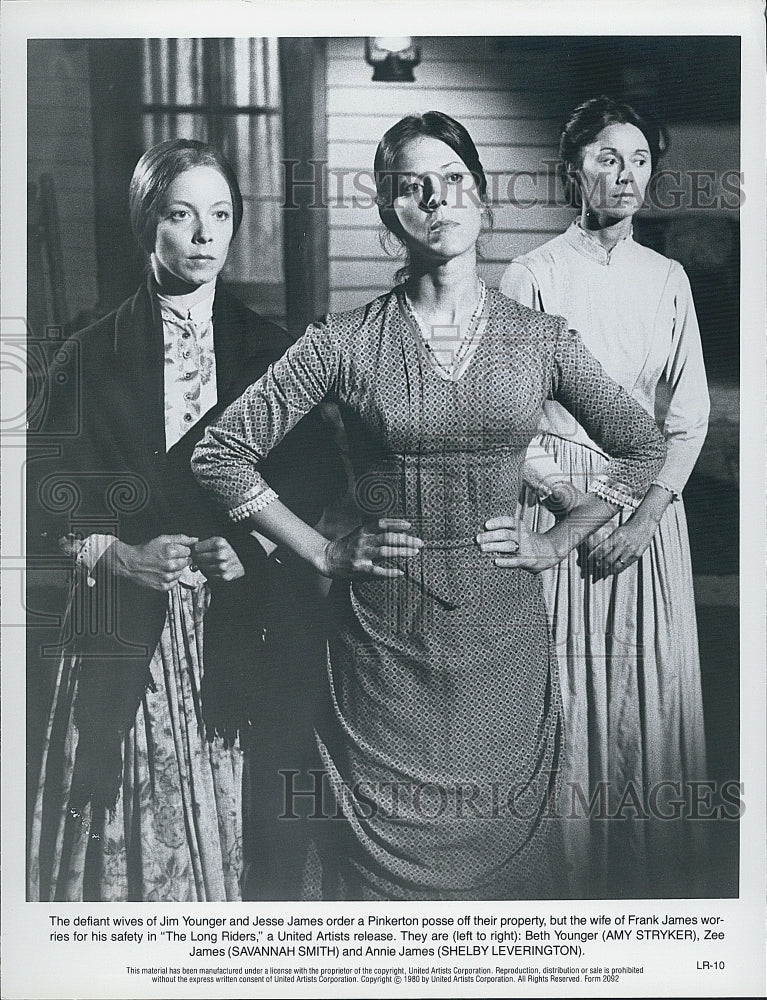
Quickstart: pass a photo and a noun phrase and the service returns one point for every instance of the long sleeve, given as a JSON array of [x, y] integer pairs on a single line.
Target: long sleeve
[[621, 427], [540, 471], [686, 419], [226, 461], [518, 283]]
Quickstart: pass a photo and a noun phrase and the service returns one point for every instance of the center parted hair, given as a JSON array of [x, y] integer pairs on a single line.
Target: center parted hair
[[587, 121], [155, 172], [432, 125]]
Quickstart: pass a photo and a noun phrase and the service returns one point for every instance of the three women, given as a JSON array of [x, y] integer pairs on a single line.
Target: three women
[[443, 748]]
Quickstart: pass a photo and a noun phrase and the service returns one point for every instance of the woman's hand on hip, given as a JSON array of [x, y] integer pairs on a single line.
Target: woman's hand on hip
[[514, 546], [371, 550], [157, 564], [216, 558]]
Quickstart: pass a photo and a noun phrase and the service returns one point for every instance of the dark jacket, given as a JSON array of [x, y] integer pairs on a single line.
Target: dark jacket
[[98, 464]]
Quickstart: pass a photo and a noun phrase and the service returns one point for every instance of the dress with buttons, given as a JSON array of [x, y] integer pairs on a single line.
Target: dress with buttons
[[190, 366]]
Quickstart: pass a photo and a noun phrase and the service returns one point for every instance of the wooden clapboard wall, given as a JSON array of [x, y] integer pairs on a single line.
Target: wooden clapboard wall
[[510, 101]]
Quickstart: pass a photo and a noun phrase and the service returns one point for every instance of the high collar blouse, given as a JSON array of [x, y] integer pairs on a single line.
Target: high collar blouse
[[634, 311], [190, 360]]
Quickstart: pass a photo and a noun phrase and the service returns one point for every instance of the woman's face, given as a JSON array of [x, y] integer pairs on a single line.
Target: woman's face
[[194, 229], [614, 172], [436, 202]]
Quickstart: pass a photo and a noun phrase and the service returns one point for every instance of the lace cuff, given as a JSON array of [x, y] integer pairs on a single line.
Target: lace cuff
[[262, 497], [665, 486], [617, 493]]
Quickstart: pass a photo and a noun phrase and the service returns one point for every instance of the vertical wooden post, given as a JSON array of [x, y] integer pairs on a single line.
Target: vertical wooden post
[[305, 221], [115, 66]]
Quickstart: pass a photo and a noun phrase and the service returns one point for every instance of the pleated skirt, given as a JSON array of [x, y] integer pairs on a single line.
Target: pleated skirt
[[633, 711]]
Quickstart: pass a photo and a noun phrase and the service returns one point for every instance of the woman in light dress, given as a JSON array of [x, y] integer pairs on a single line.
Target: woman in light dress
[[622, 605]]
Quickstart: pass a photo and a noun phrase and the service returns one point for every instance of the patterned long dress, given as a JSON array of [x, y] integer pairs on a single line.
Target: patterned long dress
[[441, 751], [627, 644], [175, 833]]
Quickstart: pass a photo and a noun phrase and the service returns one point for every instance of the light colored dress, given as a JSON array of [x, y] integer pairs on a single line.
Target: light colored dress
[[441, 751], [627, 645], [175, 833]]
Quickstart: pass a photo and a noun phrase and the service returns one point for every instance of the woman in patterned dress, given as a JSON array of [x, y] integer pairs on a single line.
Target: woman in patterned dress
[[440, 753], [134, 802], [623, 610]]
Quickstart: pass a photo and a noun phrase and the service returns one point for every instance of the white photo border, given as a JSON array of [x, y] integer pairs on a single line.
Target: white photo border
[[35, 966]]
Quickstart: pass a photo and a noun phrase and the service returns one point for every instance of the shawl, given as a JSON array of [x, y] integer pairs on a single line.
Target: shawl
[[103, 467]]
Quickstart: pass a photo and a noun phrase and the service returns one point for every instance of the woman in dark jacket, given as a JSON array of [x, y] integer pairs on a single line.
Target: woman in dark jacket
[[140, 791]]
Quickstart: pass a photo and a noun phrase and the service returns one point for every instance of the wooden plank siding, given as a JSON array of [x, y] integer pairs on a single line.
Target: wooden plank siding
[[512, 95], [513, 112]]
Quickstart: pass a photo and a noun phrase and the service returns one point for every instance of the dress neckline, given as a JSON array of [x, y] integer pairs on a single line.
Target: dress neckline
[[197, 305], [469, 343], [582, 241]]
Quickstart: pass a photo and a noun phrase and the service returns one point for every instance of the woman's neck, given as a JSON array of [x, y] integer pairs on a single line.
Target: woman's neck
[[449, 291], [169, 284], [606, 231]]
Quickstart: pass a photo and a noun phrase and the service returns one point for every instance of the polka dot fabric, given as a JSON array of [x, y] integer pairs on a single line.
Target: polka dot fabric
[[442, 748]]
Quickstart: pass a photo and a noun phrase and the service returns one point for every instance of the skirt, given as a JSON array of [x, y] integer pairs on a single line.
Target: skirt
[[633, 710], [176, 831], [439, 756]]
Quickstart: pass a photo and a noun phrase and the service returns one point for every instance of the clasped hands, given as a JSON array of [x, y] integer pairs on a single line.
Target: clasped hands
[[613, 547], [159, 563], [607, 551]]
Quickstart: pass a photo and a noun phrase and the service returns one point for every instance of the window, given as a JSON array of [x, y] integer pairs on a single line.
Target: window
[[226, 91]]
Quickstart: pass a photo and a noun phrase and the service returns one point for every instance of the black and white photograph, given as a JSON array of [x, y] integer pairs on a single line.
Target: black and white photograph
[[382, 507]]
